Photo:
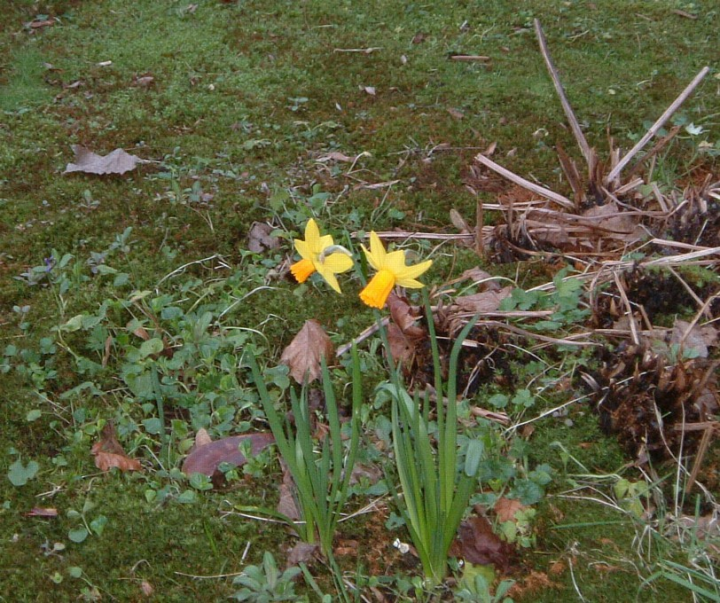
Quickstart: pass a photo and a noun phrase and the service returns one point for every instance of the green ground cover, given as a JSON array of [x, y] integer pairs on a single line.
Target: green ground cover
[[238, 105]]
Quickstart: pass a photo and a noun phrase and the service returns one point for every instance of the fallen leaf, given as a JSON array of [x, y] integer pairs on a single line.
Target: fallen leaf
[[206, 456], [477, 543], [483, 302], [336, 156], [287, 505], [346, 547], [117, 162], [402, 313], [108, 349], [109, 453], [202, 437], [532, 583], [42, 512], [303, 354], [40, 24], [144, 81], [456, 113], [506, 508], [458, 221], [403, 336], [302, 552], [260, 238], [370, 472], [147, 588], [702, 527], [698, 338], [468, 57]]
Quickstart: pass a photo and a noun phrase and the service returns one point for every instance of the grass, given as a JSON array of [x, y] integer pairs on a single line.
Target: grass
[[245, 98]]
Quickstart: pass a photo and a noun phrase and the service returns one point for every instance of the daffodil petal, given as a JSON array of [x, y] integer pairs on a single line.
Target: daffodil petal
[[323, 242], [330, 279], [337, 262], [370, 258], [303, 249], [312, 236], [395, 262], [377, 250], [407, 277]]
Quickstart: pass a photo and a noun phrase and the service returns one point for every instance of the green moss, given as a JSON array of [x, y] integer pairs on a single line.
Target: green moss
[[225, 123]]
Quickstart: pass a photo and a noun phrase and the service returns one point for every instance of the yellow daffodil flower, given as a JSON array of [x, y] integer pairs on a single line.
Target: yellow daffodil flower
[[391, 271], [321, 255]]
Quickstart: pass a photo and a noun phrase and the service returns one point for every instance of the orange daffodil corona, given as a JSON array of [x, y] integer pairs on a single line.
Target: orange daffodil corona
[[319, 254], [391, 271]]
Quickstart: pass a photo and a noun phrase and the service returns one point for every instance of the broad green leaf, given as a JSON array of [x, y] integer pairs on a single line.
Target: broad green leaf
[[33, 415], [20, 474], [151, 346], [78, 535], [475, 451], [98, 524]]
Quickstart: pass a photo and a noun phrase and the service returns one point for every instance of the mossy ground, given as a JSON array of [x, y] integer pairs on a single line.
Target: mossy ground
[[245, 97]]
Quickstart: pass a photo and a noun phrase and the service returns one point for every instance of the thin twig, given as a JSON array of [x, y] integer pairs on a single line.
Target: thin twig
[[657, 125], [535, 188], [574, 125]]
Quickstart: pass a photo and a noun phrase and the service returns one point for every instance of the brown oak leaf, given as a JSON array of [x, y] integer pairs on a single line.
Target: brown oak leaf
[[303, 354], [109, 453], [476, 543]]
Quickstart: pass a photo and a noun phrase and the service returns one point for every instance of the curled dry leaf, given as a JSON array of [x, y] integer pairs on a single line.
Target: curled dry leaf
[[42, 512], [117, 162], [303, 354], [260, 238], [109, 453], [403, 335], [147, 588], [205, 456], [287, 505]]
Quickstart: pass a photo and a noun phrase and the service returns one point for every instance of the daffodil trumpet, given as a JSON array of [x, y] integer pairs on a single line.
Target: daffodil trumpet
[[391, 271], [320, 254]]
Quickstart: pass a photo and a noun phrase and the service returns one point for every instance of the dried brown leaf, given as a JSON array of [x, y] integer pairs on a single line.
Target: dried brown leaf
[[302, 552], [146, 588], [260, 238], [477, 543], [202, 437], [505, 508], [109, 453], [403, 335], [336, 156], [117, 162], [303, 354], [483, 302], [206, 456], [402, 313], [42, 512], [108, 349], [696, 338], [458, 221]]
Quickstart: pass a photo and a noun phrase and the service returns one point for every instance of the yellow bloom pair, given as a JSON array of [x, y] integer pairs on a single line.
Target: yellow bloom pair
[[320, 254]]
